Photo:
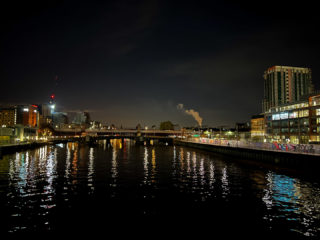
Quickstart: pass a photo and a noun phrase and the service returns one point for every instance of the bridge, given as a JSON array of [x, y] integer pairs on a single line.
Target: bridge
[[134, 132], [117, 132], [140, 136]]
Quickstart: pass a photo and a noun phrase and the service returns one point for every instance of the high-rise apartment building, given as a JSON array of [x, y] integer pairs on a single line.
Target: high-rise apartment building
[[7, 117], [284, 84], [27, 115]]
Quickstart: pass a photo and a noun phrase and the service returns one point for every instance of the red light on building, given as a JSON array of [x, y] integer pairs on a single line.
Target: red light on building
[[52, 96]]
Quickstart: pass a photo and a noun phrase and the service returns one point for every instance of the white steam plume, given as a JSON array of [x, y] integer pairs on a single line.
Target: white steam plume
[[191, 112]]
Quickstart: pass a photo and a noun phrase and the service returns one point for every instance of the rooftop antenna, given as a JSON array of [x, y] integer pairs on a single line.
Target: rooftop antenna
[[52, 96]]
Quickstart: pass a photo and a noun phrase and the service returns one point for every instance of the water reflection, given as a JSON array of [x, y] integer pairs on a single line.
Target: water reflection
[[211, 176], [225, 183], [295, 202], [149, 166], [153, 165], [146, 165], [202, 171], [104, 144], [51, 174], [91, 169], [39, 182], [116, 146], [188, 163], [194, 174], [68, 163], [31, 180], [74, 165]]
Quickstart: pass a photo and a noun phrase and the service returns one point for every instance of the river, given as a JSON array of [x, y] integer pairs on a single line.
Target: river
[[117, 186]]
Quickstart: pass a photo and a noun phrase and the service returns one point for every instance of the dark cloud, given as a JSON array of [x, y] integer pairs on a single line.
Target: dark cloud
[[134, 61]]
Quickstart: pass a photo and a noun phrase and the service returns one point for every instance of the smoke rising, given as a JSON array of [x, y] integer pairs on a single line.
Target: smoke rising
[[191, 112]]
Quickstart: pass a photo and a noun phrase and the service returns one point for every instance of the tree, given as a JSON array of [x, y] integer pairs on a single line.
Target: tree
[[166, 125], [46, 130]]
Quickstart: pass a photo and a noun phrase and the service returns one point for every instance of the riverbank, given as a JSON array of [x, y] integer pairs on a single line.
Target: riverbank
[[12, 148], [273, 157]]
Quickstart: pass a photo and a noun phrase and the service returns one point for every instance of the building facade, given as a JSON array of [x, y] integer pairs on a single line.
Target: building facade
[[59, 119], [283, 84], [27, 115], [297, 122], [257, 128], [7, 117]]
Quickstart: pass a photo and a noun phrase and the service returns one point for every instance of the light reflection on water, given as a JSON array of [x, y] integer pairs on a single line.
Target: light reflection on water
[[91, 169], [114, 164], [35, 183], [295, 201], [31, 190], [146, 166]]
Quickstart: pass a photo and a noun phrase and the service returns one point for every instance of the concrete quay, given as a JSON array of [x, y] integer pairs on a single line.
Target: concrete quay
[[274, 157]]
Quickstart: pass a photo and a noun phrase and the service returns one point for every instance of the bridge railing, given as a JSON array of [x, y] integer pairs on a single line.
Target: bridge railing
[[149, 131]]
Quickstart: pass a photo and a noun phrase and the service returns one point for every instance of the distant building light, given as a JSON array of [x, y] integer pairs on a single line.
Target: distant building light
[[35, 111], [26, 109]]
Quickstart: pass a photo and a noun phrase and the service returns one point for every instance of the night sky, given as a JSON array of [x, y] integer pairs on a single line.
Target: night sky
[[130, 62]]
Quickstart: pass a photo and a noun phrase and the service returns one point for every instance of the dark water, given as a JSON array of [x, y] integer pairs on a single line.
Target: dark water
[[157, 190]]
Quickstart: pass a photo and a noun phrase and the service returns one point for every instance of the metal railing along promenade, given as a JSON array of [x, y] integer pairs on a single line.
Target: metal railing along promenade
[[312, 149]]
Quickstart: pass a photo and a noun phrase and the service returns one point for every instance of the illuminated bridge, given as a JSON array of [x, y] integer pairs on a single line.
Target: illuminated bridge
[[117, 132], [91, 135]]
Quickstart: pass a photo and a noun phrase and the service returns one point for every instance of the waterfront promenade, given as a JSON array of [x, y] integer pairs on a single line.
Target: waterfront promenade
[[308, 149], [298, 157]]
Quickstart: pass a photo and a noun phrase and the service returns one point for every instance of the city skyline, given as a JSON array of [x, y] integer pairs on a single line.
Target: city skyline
[[149, 116], [134, 62]]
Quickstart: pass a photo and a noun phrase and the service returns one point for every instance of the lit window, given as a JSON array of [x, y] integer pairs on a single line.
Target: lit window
[[303, 113], [293, 114], [284, 115], [276, 117]]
